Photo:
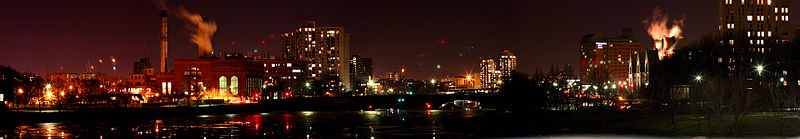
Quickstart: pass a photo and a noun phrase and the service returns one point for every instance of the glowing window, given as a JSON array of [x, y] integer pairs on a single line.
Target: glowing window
[[234, 85], [223, 84]]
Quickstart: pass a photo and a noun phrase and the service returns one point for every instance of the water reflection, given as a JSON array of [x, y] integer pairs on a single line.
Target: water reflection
[[390, 123]]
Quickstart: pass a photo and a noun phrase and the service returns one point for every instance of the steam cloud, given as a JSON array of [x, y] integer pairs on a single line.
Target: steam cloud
[[658, 29], [204, 31]]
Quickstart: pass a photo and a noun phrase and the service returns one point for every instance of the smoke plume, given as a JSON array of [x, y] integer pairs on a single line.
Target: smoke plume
[[658, 28], [161, 4], [203, 31]]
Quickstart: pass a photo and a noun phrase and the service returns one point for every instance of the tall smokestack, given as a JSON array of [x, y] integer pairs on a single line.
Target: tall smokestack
[[163, 38]]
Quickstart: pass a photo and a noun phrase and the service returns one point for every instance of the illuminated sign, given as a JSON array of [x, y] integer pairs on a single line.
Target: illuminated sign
[[600, 45]]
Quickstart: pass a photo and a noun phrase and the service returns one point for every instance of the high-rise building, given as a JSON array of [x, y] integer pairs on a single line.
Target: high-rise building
[[360, 72], [326, 51], [606, 59], [752, 29], [508, 63], [490, 73]]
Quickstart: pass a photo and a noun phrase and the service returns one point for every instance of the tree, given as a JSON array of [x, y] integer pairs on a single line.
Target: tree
[[520, 93]]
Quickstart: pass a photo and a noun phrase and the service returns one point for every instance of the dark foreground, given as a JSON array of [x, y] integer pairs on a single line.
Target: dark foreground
[[393, 123]]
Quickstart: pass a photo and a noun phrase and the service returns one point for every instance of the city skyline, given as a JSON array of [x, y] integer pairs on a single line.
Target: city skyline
[[454, 37]]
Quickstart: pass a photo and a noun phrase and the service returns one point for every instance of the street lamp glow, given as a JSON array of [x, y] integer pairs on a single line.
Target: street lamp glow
[[555, 84], [433, 81], [48, 86], [20, 91], [698, 77], [759, 68]]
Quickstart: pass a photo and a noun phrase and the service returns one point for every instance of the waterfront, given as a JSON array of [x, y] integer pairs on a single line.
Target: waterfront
[[390, 123]]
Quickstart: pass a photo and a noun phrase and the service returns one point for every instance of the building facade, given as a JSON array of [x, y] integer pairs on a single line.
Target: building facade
[[606, 59], [753, 29], [143, 73], [326, 51]]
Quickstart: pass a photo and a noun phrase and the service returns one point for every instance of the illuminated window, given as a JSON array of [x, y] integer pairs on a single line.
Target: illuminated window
[[223, 84], [234, 85], [749, 18], [169, 87], [163, 87]]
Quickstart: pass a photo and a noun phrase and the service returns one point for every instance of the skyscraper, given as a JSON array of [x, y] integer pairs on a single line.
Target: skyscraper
[[752, 29], [606, 59], [508, 63], [326, 51], [490, 74]]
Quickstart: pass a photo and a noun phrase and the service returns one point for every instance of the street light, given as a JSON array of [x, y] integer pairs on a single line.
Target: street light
[[759, 69], [698, 78]]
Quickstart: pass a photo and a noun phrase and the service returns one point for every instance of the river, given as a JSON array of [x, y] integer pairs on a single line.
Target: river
[[389, 123]]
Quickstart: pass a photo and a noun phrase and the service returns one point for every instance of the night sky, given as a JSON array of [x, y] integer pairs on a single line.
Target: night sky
[[54, 36]]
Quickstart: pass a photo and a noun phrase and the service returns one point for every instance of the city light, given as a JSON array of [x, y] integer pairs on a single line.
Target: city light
[[20, 91], [48, 86], [698, 78], [759, 68]]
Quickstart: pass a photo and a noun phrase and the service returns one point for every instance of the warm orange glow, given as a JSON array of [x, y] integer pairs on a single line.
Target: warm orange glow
[[20, 91], [658, 29]]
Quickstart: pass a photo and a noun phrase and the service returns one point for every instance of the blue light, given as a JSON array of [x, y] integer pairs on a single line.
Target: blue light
[[410, 93]]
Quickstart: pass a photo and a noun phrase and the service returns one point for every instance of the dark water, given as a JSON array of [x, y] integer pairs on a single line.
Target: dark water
[[299, 124]]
